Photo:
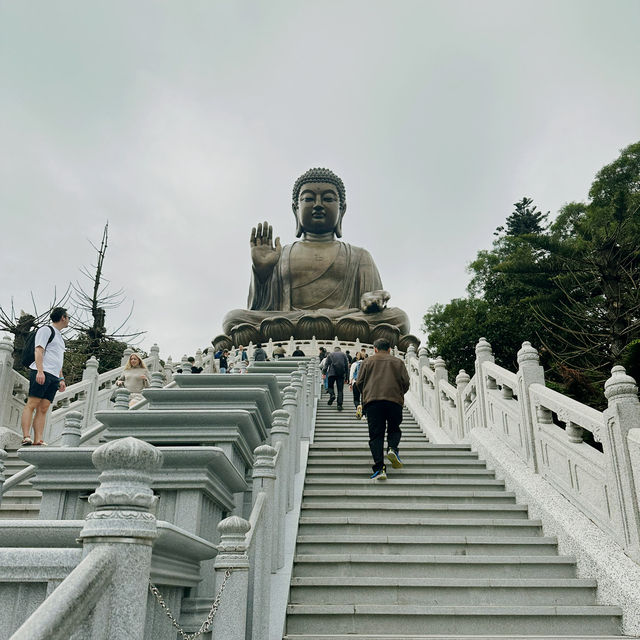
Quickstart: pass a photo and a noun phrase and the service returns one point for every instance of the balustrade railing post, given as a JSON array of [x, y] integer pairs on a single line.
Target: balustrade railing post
[[168, 369], [290, 405], [186, 365], [124, 522], [125, 356], [3, 455], [483, 354], [423, 361], [122, 399], [90, 374], [154, 352], [6, 379], [72, 429], [157, 380], [529, 372], [462, 380], [280, 435], [441, 375], [621, 415], [296, 383], [264, 479], [230, 621]]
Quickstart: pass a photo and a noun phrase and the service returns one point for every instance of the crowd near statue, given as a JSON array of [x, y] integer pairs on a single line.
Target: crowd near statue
[[318, 285]]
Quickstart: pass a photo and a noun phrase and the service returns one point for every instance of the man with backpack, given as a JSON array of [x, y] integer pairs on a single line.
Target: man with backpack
[[336, 368], [45, 377]]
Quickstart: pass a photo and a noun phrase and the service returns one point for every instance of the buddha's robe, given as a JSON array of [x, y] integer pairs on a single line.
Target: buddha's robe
[[310, 277]]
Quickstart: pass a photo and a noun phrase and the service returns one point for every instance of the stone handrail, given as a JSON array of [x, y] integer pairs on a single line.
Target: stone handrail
[[519, 410], [68, 607]]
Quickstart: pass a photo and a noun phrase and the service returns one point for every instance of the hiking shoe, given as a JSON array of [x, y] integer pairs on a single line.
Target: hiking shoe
[[331, 399], [359, 411], [394, 459], [339, 407], [381, 474]]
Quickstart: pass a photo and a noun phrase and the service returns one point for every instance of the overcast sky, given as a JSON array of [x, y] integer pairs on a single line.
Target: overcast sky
[[185, 123]]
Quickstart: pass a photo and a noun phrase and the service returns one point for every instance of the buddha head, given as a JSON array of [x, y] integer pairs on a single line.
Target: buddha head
[[319, 202]]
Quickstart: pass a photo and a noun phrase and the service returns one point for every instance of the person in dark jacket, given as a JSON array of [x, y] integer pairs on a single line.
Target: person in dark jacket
[[298, 352], [260, 355], [336, 368], [383, 381]]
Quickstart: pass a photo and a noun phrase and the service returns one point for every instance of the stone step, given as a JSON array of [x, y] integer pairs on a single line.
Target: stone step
[[397, 483], [405, 620], [10, 510], [424, 446], [391, 495], [416, 545], [408, 461], [351, 525], [511, 636], [434, 566], [423, 472], [444, 591], [390, 512], [410, 454]]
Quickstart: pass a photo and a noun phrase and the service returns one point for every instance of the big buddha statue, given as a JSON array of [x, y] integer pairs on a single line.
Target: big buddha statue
[[318, 285]]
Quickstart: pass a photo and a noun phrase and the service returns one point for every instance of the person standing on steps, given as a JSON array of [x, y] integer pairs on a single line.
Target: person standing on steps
[[353, 376], [383, 380], [336, 368], [45, 377]]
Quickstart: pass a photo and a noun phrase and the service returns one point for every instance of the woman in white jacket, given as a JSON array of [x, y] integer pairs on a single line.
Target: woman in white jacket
[[353, 376]]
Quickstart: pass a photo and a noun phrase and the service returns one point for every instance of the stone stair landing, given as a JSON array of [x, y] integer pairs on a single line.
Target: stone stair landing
[[440, 550], [23, 501]]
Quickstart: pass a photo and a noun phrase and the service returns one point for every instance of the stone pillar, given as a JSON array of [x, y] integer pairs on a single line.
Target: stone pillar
[[232, 569], [441, 374], [72, 430], [168, 370], [296, 383], [264, 478], [462, 380], [6, 379], [423, 361], [125, 356], [186, 365], [90, 373], [529, 372], [483, 354], [280, 435], [198, 357], [157, 380], [123, 522], [122, 399], [3, 455], [154, 352], [621, 415], [290, 405]]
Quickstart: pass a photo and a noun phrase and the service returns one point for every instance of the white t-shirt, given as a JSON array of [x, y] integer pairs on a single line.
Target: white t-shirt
[[53, 352]]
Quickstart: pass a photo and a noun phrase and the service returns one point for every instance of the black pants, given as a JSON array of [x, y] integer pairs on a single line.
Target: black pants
[[356, 395], [339, 380], [383, 415]]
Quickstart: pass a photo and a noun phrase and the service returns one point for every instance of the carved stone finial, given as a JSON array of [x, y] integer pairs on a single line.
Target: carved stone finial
[[439, 363], [233, 531], [157, 380], [127, 453], [6, 344], [483, 347], [290, 395], [72, 430], [411, 352], [92, 363], [620, 386], [423, 352], [528, 354], [122, 399], [155, 349], [280, 421], [462, 379]]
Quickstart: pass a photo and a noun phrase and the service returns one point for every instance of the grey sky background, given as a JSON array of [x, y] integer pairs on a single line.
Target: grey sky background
[[185, 123]]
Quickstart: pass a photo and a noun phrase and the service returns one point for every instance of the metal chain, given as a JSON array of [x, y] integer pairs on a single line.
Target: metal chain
[[206, 625]]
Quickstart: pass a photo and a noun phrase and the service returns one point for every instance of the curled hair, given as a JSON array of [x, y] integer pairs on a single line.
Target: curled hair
[[320, 175]]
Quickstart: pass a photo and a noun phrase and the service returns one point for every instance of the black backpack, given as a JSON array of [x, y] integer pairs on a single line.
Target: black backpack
[[29, 350]]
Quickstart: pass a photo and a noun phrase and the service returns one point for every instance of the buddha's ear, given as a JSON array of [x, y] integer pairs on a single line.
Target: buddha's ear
[[299, 229], [338, 230]]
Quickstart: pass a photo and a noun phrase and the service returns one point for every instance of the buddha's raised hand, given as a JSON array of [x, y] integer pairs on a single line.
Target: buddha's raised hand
[[264, 254]]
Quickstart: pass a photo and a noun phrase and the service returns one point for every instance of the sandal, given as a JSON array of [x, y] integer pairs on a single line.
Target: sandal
[[26, 441], [40, 443]]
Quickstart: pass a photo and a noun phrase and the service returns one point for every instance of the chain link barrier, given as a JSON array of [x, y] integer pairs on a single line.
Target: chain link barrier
[[206, 625]]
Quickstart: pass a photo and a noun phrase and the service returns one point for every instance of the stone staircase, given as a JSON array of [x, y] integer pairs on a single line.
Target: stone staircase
[[23, 501], [439, 550]]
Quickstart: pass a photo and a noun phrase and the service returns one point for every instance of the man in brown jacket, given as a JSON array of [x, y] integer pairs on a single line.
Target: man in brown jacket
[[383, 381]]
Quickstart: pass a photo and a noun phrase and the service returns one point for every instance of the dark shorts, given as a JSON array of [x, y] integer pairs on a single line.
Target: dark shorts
[[48, 390]]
